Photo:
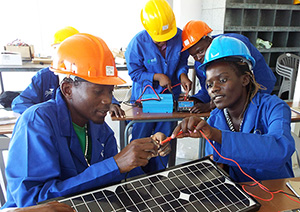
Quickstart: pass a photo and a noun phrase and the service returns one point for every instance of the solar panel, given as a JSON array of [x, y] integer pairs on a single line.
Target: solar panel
[[194, 186]]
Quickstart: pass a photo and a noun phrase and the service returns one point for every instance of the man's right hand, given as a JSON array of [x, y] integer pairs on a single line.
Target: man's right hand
[[47, 207], [164, 81], [136, 153], [200, 108]]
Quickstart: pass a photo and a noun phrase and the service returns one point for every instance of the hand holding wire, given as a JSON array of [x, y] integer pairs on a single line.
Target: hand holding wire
[[164, 148], [169, 138]]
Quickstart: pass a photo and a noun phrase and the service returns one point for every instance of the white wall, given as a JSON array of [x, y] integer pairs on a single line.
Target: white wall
[[213, 13], [186, 10], [116, 21], [36, 21], [210, 11]]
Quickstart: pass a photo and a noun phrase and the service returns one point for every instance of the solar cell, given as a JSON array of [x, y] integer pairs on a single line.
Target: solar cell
[[194, 186]]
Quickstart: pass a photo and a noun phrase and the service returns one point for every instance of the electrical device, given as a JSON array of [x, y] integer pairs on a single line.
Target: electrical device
[[151, 103], [184, 106]]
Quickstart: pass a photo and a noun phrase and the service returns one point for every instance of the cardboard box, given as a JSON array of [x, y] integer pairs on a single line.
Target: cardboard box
[[10, 58], [25, 51]]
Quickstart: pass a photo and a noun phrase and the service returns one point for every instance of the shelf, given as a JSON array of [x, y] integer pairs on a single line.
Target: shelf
[[228, 28], [280, 49], [276, 21], [262, 6]]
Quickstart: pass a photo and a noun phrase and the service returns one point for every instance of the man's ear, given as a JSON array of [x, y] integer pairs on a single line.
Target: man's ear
[[66, 89]]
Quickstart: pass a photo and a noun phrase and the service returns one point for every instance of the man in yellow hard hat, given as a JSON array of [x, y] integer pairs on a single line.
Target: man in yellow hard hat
[[63, 146], [63, 33], [153, 58], [196, 38], [45, 82]]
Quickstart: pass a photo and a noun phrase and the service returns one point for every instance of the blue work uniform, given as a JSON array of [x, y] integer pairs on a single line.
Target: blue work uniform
[[262, 72], [263, 147], [143, 60], [45, 159], [42, 88]]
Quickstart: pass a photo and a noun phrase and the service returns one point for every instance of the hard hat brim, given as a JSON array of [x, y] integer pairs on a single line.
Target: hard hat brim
[[111, 80], [165, 37], [186, 48]]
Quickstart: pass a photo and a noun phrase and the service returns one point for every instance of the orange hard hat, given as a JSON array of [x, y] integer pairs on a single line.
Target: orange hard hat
[[88, 57], [192, 32], [159, 20], [296, 1], [64, 33]]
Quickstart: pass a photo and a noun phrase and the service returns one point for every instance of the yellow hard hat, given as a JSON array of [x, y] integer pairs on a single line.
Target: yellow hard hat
[[159, 20], [88, 57], [296, 1], [64, 33]]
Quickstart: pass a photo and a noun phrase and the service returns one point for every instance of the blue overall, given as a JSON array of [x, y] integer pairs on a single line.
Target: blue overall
[[262, 72], [264, 146], [143, 60], [42, 88], [45, 158]]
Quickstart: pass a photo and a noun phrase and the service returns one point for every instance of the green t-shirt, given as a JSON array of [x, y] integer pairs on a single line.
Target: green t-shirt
[[81, 134]]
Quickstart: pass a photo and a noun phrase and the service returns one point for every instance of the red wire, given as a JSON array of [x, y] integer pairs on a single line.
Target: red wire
[[243, 186], [185, 96], [139, 99], [256, 182], [169, 138], [171, 87]]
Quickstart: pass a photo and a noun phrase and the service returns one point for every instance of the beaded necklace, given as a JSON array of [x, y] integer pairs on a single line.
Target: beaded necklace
[[229, 121], [86, 145]]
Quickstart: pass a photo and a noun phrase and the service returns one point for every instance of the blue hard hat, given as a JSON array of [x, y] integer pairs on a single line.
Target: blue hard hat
[[227, 47]]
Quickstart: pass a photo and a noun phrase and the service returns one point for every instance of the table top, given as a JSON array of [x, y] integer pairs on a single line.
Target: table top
[[28, 66], [7, 120], [136, 113], [280, 201], [6, 128], [295, 115]]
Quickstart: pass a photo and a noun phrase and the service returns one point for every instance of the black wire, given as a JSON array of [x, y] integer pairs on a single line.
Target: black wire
[[292, 195], [162, 162], [126, 175], [129, 103]]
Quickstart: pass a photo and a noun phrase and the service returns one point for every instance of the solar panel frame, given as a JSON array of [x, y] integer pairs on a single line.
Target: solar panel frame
[[194, 186]]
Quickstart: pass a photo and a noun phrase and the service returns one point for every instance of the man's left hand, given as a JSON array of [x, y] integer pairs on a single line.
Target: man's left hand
[[115, 110]]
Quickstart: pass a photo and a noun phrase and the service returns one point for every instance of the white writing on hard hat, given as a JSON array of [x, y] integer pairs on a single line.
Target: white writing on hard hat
[[110, 71]]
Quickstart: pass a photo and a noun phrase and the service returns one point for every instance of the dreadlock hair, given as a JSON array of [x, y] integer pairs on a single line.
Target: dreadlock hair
[[253, 87], [242, 67]]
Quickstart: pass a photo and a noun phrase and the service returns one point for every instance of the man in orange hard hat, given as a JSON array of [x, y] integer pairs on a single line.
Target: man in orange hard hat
[[63, 146], [196, 38], [44, 83]]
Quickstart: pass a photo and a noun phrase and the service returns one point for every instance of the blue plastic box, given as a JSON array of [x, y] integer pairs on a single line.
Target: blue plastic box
[[165, 105]]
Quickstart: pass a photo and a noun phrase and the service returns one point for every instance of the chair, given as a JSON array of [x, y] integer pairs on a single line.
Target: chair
[[286, 66], [4, 143]]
